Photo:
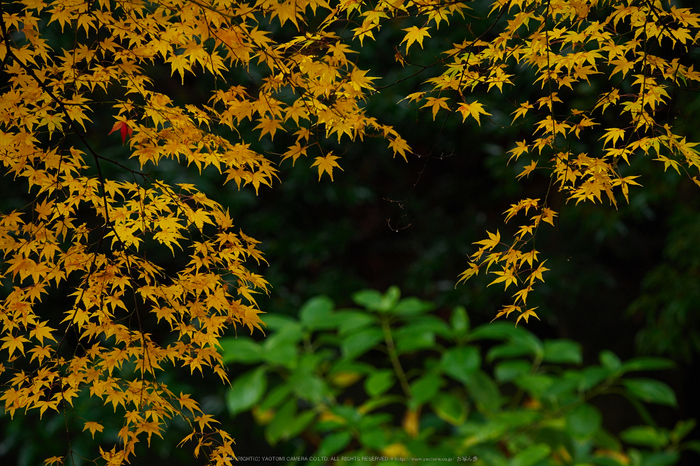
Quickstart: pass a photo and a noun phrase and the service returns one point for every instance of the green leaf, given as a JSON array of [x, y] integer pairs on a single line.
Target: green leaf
[[535, 384], [425, 388], [507, 350], [333, 443], [518, 417], [370, 421], [379, 382], [344, 365], [246, 391], [279, 322], [242, 349], [281, 422], [530, 341], [531, 455], [350, 321], [610, 361], [584, 421], [449, 408], [483, 391], [280, 348], [521, 339], [311, 362], [562, 352], [287, 423], [308, 386], [661, 458], [459, 321], [433, 324], [460, 362], [317, 313], [505, 371], [390, 299], [346, 372], [645, 436], [276, 397], [412, 306], [412, 338], [374, 403], [651, 391], [647, 364], [607, 441], [375, 438], [361, 342], [299, 424], [351, 414], [475, 433], [681, 430], [375, 301], [282, 353], [693, 445], [564, 390], [370, 299], [495, 331], [588, 377]]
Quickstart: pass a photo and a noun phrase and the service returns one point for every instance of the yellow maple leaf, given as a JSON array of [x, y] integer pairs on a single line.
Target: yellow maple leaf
[[507, 311], [492, 242], [400, 146], [93, 427], [41, 331], [526, 315], [326, 164], [150, 427], [507, 275], [179, 63], [522, 111], [537, 273], [13, 343], [527, 170], [436, 103], [53, 460], [294, 152], [288, 11], [415, 34], [188, 403], [613, 134], [205, 420], [474, 110], [472, 270], [269, 125]]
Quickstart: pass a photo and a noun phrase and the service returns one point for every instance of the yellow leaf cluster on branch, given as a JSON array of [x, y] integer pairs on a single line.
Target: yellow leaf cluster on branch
[[642, 47], [91, 104], [82, 78]]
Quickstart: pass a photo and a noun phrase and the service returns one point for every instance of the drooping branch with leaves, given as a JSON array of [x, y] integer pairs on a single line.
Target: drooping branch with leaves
[[98, 106]]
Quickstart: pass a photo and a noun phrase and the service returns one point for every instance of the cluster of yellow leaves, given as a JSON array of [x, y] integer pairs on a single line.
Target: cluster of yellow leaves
[[56, 245], [85, 240], [641, 47]]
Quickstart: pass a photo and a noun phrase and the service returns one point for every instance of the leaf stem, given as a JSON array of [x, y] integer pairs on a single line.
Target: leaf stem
[[394, 357]]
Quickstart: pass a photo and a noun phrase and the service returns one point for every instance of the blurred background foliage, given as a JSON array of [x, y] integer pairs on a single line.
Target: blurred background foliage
[[389, 379], [624, 280]]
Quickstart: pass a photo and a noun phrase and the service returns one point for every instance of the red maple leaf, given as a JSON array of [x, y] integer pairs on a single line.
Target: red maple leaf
[[123, 128]]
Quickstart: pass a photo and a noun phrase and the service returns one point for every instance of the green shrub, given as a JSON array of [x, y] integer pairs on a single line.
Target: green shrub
[[393, 380]]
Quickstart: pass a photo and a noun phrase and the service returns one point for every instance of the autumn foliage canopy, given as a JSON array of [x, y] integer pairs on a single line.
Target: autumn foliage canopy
[[88, 115]]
